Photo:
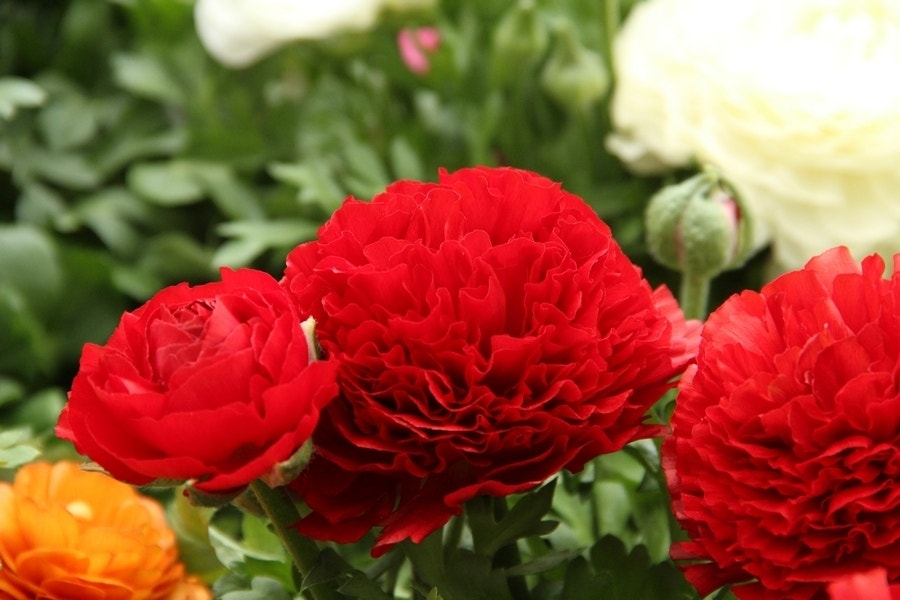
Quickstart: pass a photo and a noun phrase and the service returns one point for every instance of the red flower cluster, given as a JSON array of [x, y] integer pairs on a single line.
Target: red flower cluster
[[784, 463], [489, 332], [211, 384]]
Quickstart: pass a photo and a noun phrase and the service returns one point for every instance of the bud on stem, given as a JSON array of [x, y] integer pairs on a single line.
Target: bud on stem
[[520, 40], [699, 228], [575, 76]]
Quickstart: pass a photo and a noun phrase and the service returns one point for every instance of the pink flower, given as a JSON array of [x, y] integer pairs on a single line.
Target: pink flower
[[416, 44]]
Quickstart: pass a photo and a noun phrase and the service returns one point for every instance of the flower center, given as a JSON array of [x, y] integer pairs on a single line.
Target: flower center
[[80, 509]]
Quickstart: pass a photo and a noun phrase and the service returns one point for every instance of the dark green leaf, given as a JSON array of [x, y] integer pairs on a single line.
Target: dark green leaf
[[471, 577], [360, 586], [546, 562], [523, 519], [579, 582], [329, 568]]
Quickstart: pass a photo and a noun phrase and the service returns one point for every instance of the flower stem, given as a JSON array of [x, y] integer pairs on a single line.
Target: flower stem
[[509, 555], [612, 14], [304, 552], [694, 295]]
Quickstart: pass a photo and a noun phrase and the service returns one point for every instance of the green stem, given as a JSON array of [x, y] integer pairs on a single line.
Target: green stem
[[452, 536], [694, 295], [509, 556], [304, 552], [611, 16]]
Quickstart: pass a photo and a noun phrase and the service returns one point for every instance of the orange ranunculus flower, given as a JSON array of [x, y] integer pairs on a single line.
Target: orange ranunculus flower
[[67, 534]]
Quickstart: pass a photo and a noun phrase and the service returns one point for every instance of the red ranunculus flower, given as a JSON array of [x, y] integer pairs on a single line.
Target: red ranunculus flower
[[784, 463], [489, 332], [871, 585], [209, 383]]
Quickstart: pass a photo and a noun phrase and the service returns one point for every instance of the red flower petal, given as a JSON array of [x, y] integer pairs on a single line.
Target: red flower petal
[[489, 332], [778, 468]]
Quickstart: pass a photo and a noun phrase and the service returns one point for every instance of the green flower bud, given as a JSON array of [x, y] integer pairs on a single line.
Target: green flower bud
[[574, 75], [520, 39], [699, 226]]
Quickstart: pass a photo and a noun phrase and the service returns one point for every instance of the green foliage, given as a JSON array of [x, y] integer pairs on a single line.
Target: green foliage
[[15, 448], [130, 160]]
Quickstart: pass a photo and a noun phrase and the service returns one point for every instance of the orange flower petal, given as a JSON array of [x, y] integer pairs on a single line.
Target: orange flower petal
[[66, 533]]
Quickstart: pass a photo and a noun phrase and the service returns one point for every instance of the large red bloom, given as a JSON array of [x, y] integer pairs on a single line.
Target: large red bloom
[[209, 383], [784, 464], [489, 332]]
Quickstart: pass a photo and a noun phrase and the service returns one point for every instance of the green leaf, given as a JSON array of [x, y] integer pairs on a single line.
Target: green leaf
[[11, 391], [64, 168], [132, 141], [235, 199], [367, 174], [257, 543], [329, 568], [613, 507], [16, 448], [175, 256], [543, 563], [523, 520], [651, 514], [239, 253], [22, 330], [624, 574], [405, 162], [579, 582], [191, 525], [471, 576], [114, 215], [360, 586], [261, 588], [172, 183], [16, 93], [30, 266], [146, 77], [93, 305], [252, 238], [314, 180], [42, 206], [260, 541], [39, 411], [68, 122]]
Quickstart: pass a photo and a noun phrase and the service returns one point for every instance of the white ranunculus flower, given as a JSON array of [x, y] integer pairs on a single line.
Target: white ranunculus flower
[[240, 32], [796, 102]]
